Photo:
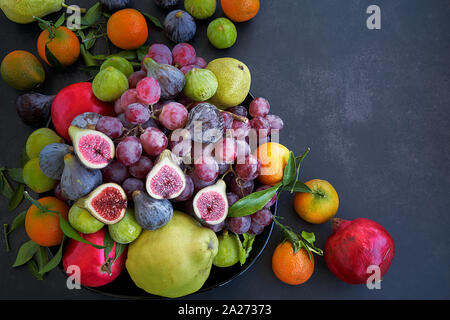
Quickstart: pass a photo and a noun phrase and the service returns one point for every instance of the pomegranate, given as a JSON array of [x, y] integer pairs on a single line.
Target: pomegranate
[[94, 270], [74, 100], [354, 246]]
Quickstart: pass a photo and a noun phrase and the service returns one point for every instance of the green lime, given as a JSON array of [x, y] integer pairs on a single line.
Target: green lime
[[222, 33], [83, 221], [126, 230], [35, 179], [109, 84], [39, 139], [229, 249], [200, 9], [121, 64]]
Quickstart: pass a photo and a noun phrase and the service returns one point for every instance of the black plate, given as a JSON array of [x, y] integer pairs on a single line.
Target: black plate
[[124, 287]]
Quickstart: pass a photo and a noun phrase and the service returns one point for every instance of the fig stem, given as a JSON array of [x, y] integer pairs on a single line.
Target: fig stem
[[235, 116]]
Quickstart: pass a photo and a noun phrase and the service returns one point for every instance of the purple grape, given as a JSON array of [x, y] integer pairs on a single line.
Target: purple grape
[[198, 183], [228, 120], [239, 110], [259, 107], [256, 228], [141, 168], [240, 187], [207, 168], [240, 129], [115, 172], [262, 217], [129, 151], [238, 225], [275, 122], [187, 192], [137, 113], [215, 227], [124, 121], [223, 167], [110, 126], [232, 198], [132, 184], [154, 141], [261, 125], [250, 169]]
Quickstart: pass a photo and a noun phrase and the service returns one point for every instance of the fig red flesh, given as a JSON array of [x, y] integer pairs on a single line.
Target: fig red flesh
[[166, 182], [95, 148], [211, 206], [109, 203]]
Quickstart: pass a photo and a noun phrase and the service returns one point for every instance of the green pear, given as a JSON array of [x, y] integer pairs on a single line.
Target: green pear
[[175, 260], [22, 11], [234, 81]]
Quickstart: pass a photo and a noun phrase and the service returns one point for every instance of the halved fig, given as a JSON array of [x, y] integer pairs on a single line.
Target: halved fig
[[211, 204], [151, 214], [166, 180], [107, 203], [94, 148]]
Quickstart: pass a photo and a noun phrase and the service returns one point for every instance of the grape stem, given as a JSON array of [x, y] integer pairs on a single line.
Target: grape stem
[[235, 116]]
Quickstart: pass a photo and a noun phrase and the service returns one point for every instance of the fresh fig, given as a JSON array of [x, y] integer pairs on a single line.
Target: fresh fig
[[87, 120], [34, 108], [51, 159], [211, 204], [170, 78], [107, 203], [150, 213], [76, 180], [205, 123], [179, 26], [166, 180], [94, 148]]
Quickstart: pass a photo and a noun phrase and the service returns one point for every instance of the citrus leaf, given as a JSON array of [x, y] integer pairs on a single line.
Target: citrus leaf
[[15, 174], [5, 187], [309, 236], [297, 186], [141, 52], [17, 197], [5, 237], [92, 15], [42, 258], [32, 266], [70, 232], [26, 252], [54, 262], [54, 62], [61, 20], [18, 221], [253, 202], [153, 19], [289, 170], [300, 159]]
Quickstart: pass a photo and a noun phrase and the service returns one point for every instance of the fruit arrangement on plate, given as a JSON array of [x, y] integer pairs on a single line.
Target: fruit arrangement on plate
[[164, 178]]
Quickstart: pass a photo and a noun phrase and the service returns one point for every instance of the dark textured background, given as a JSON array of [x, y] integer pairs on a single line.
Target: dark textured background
[[372, 105]]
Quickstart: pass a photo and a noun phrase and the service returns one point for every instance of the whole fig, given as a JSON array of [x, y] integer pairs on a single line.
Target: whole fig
[[170, 79]]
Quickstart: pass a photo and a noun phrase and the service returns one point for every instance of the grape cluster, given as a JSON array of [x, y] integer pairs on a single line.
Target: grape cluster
[[145, 126]]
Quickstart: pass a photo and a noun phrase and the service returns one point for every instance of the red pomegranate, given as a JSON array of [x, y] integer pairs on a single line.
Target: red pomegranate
[[354, 246], [94, 270], [74, 100]]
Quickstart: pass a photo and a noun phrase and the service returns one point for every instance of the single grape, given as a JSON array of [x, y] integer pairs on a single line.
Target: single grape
[[151, 122], [141, 168], [110, 126], [198, 183], [185, 101], [250, 169], [255, 228], [128, 97], [137, 113], [160, 53], [227, 119], [136, 77], [242, 151], [239, 110], [223, 167], [232, 198], [173, 116], [215, 227], [207, 168], [129, 150], [183, 54], [132, 184], [271, 201], [240, 129], [275, 122], [261, 125], [238, 225], [262, 217], [259, 107], [115, 172], [126, 124], [189, 67], [187, 192], [154, 141], [200, 62], [225, 150], [148, 90], [240, 187]]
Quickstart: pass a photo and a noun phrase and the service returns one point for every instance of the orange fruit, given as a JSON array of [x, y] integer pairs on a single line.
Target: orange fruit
[[127, 29], [320, 205], [65, 46], [273, 157], [240, 10], [289, 267], [43, 227], [22, 70]]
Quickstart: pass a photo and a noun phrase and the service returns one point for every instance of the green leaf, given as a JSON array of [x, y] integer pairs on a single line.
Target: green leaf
[[108, 243], [289, 170], [54, 262], [242, 254], [5, 237], [5, 187], [309, 236], [17, 197], [300, 159], [153, 19], [247, 245], [297, 186], [26, 252], [32, 266], [127, 54], [70, 232], [141, 52], [42, 258], [120, 248], [89, 41], [253, 202], [88, 58], [61, 20], [15, 174], [18, 221], [52, 59], [92, 15]]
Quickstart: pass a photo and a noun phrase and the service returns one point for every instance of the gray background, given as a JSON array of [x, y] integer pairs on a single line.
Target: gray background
[[372, 105]]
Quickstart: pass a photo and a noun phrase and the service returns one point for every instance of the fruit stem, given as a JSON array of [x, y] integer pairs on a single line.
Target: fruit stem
[[64, 5], [37, 204], [106, 267], [235, 116], [230, 169], [5, 233]]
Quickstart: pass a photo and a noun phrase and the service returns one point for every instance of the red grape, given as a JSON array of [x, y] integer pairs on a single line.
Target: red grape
[[242, 150], [215, 227], [124, 121], [238, 225], [160, 53], [275, 122], [261, 125], [154, 141], [173, 116], [115, 172], [129, 150], [128, 97], [198, 183], [183, 54], [110, 126], [250, 169], [187, 192], [141, 168], [255, 228], [240, 187], [189, 67], [136, 113], [132, 184], [240, 129], [148, 90], [259, 107], [239, 110], [225, 150], [135, 78], [227, 119], [262, 217], [200, 62], [207, 168]]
